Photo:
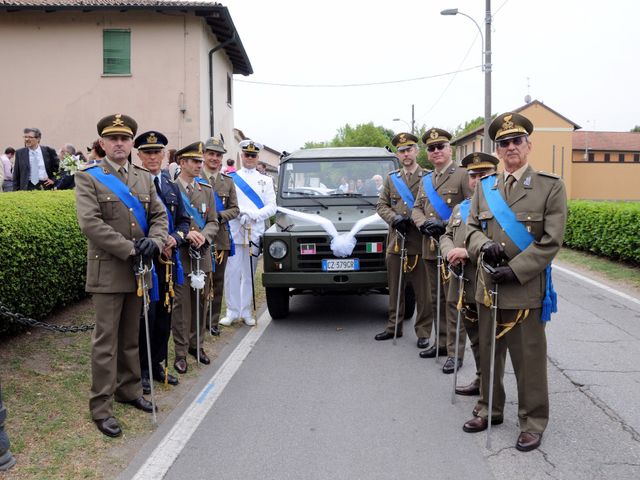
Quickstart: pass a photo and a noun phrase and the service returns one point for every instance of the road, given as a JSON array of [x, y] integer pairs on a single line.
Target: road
[[315, 397]]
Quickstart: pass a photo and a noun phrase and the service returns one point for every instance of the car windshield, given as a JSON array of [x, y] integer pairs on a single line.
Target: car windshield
[[330, 178]]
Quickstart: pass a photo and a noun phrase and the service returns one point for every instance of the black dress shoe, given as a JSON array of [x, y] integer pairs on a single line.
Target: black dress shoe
[[203, 356], [215, 330], [450, 365], [423, 342], [109, 426], [528, 441], [387, 335], [472, 389], [431, 352], [180, 365], [141, 403], [158, 376], [146, 385], [479, 424]]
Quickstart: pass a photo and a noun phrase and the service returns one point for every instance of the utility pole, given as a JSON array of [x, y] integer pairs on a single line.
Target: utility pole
[[413, 120], [487, 78]]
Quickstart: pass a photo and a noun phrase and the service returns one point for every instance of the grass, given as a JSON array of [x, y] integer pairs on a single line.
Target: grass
[[46, 378]]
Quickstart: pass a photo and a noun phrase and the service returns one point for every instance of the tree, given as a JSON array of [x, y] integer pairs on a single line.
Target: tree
[[636, 129], [468, 127], [362, 135]]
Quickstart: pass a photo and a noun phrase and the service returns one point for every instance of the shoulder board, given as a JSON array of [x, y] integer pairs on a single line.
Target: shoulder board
[[452, 168], [550, 175], [204, 184], [394, 171], [87, 166], [225, 175], [201, 181], [139, 167]]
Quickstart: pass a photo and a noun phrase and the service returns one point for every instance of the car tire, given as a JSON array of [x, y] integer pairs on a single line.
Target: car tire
[[409, 302], [277, 302]]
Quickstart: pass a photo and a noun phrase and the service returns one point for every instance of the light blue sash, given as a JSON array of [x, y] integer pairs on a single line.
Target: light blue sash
[[443, 210], [465, 206], [247, 190], [403, 189], [193, 212], [519, 235]]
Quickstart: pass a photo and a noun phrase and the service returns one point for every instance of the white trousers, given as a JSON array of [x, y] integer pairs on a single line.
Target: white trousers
[[237, 284]]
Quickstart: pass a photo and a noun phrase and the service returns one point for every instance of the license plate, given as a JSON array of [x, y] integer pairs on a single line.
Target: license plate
[[340, 264]]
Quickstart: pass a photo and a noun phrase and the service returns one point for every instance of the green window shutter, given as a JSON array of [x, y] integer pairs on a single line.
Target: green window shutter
[[116, 54]]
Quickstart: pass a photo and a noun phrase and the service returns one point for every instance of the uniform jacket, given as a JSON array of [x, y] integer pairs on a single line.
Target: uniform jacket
[[226, 190], [170, 196], [453, 187], [22, 168], [263, 186], [454, 237], [201, 196], [112, 229], [390, 204], [539, 201]]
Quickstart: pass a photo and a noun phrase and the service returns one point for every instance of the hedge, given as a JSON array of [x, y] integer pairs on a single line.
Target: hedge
[[42, 253], [610, 229]]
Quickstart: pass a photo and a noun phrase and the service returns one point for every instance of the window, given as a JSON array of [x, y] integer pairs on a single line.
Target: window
[[636, 157], [591, 157], [229, 85], [607, 157], [116, 52], [621, 157]]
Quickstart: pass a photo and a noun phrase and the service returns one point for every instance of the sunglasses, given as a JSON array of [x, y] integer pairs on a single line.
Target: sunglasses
[[437, 146], [251, 155], [516, 141]]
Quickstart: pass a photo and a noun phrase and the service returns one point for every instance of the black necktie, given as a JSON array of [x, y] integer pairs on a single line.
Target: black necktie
[[156, 182]]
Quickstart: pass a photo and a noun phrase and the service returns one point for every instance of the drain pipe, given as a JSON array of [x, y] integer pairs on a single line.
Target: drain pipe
[[211, 52]]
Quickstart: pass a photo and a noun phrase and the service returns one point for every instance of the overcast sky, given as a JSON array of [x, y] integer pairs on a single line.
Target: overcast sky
[[579, 57]]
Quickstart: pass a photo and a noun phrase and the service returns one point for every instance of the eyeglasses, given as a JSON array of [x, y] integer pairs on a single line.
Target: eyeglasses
[[28, 137], [516, 141], [437, 146], [251, 155]]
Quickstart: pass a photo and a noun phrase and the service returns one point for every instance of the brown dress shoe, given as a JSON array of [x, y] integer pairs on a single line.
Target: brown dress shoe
[[141, 403], [528, 441], [479, 424], [472, 389], [109, 426], [204, 359], [180, 365]]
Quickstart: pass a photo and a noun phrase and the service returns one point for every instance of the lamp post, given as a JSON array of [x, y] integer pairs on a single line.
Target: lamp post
[[413, 120], [486, 66]]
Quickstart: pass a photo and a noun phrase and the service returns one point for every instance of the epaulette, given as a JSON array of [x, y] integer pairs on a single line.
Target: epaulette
[[550, 175], [139, 167], [87, 166], [394, 171], [204, 184], [225, 175]]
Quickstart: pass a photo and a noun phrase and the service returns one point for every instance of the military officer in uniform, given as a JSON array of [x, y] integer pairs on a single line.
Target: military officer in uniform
[[453, 249], [227, 207], [120, 213], [516, 225], [394, 206], [201, 207], [151, 151], [257, 202], [440, 191]]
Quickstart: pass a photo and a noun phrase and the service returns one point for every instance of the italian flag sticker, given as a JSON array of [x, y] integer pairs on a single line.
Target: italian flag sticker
[[374, 247]]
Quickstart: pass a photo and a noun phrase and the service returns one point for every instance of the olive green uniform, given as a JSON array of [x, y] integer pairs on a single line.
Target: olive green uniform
[[112, 229], [224, 186], [539, 201], [390, 203], [453, 186], [183, 317]]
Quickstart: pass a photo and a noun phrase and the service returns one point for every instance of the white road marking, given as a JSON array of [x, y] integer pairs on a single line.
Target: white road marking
[[162, 458], [597, 284]]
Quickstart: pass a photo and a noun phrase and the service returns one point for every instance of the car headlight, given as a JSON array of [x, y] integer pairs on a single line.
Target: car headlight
[[277, 249]]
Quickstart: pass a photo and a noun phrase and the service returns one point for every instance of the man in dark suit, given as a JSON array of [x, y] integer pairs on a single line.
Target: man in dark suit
[[151, 151], [35, 165]]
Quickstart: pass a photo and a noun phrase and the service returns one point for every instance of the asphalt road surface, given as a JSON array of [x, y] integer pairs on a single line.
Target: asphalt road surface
[[315, 397]]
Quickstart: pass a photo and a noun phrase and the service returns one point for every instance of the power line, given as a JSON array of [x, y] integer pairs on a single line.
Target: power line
[[346, 85]]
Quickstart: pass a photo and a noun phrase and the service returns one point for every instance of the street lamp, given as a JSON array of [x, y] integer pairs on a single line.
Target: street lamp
[[486, 66], [413, 121]]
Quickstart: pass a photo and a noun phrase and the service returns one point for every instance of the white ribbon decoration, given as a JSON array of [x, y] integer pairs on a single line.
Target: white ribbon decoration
[[197, 279], [342, 244]]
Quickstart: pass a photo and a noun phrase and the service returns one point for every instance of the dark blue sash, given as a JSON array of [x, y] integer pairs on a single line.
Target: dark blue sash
[[403, 189], [219, 208], [193, 213], [443, 210], [465, 206], [247, 190], [519, 235]]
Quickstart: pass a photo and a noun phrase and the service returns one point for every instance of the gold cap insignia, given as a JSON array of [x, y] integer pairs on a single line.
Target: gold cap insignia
[[507, 124], [117, 121], [251, 148], [402, 138], [200, 147], [434, 133], [476, 158], [152, 139]]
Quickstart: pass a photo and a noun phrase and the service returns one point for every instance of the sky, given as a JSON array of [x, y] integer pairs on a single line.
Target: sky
[[579, 57]]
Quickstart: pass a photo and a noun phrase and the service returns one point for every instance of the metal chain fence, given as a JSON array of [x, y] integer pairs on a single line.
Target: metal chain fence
[[30, 322]]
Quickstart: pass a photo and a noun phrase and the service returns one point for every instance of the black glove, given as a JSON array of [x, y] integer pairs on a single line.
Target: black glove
[[493, 253], [400, 223], [424, 229], [434, 227], [504, 275], [147, 248]]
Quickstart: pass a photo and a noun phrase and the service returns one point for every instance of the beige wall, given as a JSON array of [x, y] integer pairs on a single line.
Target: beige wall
[[52, 76], [606, 181]]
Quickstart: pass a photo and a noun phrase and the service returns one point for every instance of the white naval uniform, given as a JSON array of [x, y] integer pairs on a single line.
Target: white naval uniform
[[237, 276]]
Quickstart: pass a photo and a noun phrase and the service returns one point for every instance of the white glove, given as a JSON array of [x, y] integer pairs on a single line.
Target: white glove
[[252, 213], [244, 219]]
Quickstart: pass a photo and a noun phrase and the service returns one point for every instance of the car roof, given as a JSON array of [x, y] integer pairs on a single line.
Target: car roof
[[340, 152]]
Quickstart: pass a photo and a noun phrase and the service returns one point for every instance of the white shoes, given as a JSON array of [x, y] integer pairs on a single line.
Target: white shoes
[[226, 321], [250, 322]]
